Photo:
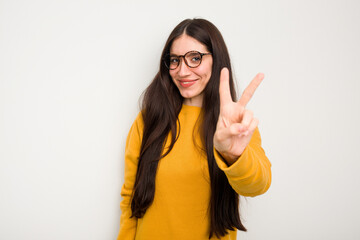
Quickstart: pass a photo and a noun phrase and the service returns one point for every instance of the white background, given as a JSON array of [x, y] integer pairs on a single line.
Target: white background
[[71, 74]]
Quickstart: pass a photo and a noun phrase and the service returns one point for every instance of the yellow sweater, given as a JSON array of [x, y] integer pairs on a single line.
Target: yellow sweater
[[182, 185]]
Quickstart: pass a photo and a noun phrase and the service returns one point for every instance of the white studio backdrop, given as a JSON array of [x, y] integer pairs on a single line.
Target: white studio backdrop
[[71, 74]]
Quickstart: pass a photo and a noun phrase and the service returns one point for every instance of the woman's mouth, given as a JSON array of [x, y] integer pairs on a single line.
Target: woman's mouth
[[187, 83]]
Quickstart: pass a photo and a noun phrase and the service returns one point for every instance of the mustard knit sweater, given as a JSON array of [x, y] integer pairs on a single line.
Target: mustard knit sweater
[[180, 210]]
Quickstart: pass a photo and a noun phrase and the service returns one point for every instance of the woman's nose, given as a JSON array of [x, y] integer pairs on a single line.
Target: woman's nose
[[183, 68]]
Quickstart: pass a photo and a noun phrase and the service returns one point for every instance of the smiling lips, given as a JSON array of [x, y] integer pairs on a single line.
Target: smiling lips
[[186, 83]]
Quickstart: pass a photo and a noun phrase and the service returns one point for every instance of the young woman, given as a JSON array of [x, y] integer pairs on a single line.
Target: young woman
[[193, 148]]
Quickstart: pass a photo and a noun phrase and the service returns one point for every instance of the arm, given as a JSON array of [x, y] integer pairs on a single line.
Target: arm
[[132, 150], [250, 174], [237, 142]]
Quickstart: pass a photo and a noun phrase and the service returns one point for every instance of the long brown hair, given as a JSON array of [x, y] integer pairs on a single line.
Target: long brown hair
[[161, 105]]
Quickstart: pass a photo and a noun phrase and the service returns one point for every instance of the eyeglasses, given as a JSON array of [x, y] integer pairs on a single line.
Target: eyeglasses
[[192, 59]]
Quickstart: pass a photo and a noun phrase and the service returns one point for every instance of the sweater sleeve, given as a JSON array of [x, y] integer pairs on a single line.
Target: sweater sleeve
[[132, 150], [250, 175]]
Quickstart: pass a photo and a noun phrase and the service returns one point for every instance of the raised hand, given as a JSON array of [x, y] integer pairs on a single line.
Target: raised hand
[[236, 124]]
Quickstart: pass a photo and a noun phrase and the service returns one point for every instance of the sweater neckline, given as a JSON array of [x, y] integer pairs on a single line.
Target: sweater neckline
[[188, 109], [191, 107]]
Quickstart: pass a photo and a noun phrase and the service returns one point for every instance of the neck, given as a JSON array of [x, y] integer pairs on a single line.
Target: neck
[[196, 101]]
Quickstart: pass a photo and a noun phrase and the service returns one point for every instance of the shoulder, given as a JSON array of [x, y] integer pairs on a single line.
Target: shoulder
[[136, 129], [138, 124], [139, 120]]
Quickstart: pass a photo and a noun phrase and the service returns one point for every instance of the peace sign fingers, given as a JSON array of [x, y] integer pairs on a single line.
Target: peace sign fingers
[[250, 89], [236, 124]]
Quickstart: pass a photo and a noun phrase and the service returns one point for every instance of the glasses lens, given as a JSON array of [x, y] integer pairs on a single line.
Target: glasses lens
[[172, 61], [193, 59]]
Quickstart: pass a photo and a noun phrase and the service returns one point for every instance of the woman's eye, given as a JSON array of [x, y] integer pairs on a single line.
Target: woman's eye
[[195, 59], [174, 60]]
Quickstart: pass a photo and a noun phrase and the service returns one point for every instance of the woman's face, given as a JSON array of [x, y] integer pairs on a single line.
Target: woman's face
[[191, 82]]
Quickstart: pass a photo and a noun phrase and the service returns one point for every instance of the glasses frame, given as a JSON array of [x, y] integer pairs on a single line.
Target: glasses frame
[[183, 56]]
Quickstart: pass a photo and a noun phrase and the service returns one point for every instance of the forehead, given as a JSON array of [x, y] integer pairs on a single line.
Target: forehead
[[185, 43]]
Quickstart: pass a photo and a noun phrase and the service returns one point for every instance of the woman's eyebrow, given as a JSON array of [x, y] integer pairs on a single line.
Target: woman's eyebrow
[[173, 54]]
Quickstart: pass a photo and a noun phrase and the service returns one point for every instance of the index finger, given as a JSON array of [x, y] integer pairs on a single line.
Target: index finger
[[224, 88], [250, 89]]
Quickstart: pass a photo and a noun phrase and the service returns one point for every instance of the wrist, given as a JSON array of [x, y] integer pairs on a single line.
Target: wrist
[[228, 158]]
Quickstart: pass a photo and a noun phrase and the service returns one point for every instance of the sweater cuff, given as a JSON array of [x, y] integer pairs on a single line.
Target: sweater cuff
[[238, 168]]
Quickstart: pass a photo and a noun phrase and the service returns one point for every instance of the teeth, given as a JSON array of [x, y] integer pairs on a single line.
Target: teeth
[[186, 82]]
